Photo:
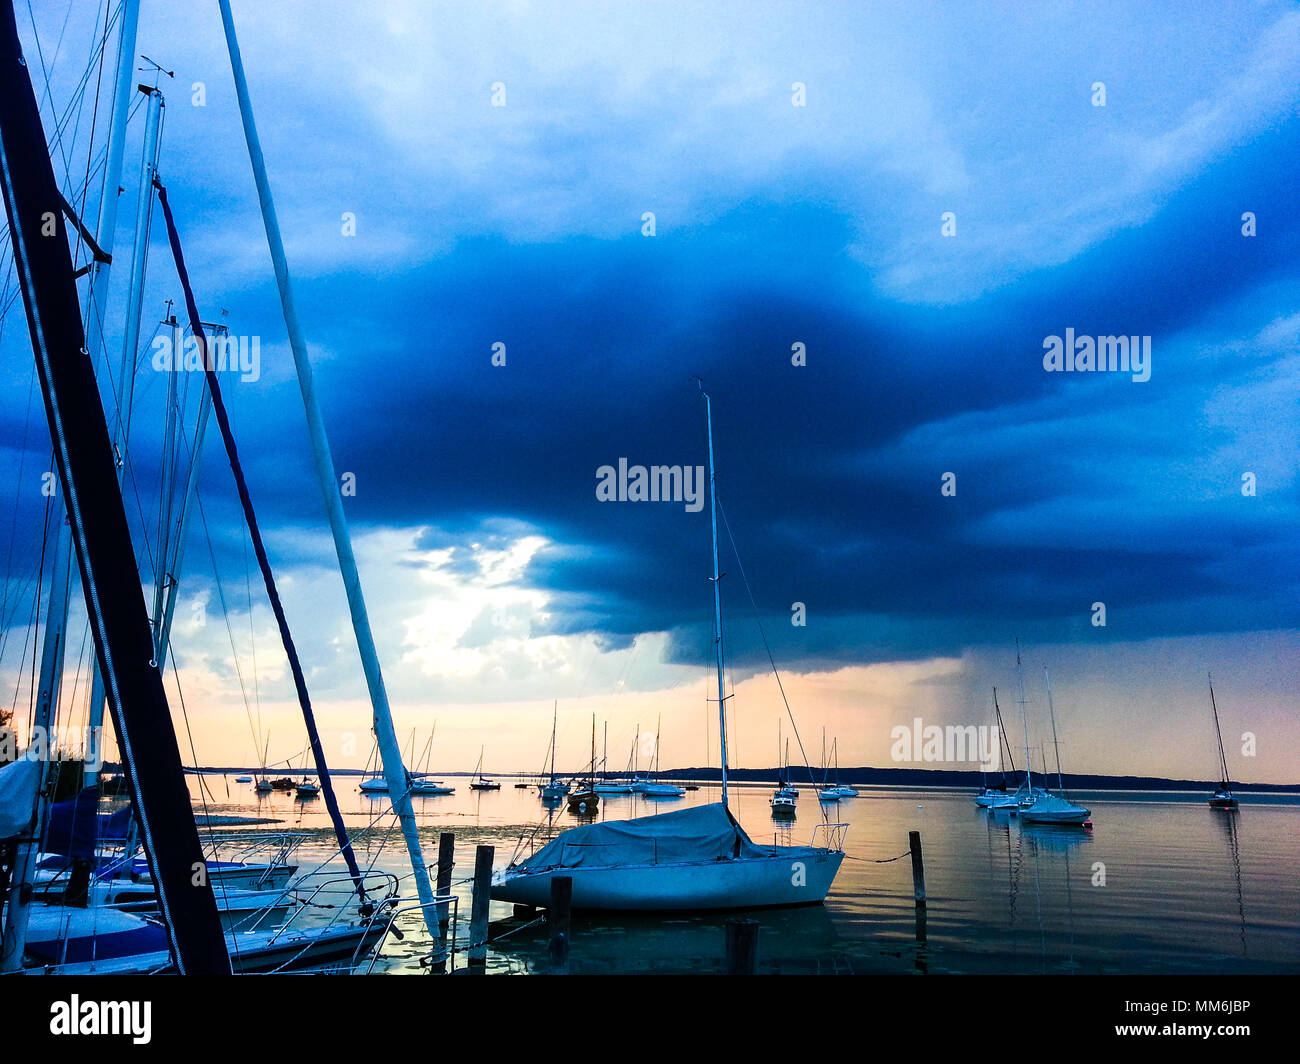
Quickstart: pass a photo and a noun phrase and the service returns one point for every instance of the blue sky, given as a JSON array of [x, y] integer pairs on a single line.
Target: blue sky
[[499, 582]]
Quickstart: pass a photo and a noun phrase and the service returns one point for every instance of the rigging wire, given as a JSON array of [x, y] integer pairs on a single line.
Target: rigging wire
[[768, 649]]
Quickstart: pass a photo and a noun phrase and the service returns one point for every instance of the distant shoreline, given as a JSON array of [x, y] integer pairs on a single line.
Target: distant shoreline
[[926, 777]]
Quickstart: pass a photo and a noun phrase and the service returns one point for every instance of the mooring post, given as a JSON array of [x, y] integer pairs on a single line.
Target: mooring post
[[446, 862], [742, 947], [557, 919], [918, 867], [478, 916]]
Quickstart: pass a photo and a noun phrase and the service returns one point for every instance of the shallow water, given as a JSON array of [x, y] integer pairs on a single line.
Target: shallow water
[[1160, 884]]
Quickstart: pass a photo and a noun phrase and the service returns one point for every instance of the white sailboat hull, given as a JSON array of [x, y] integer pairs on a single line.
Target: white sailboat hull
[[1053, 809], [800, 876]]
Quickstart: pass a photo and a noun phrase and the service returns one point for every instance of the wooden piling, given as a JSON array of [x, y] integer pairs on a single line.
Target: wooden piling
[[446, 862], [478, 917], [742, 947], [918, 867], [557, 920]]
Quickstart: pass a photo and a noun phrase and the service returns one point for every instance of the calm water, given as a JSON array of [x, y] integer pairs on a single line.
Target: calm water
[[1186, 889]]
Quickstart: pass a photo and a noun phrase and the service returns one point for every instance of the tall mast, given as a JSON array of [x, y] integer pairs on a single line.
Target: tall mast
[[389, 749], [131, 333], [555, 713], [1024, 716], [1218, 731], [1047, 682], [717, 593]]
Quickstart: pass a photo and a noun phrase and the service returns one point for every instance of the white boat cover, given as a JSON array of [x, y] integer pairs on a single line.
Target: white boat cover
[[703, 833], [18, 783]]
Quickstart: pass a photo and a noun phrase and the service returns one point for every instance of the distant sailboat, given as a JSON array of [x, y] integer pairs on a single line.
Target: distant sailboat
[[655, 787], [997, 797], [784, 800], [827, 791], [608, 786], [1222, 798], [843, 789], [784, 788], [421, 785], [554, 789], [1049, 808], [693, 859], [480, 781], [584, 800]]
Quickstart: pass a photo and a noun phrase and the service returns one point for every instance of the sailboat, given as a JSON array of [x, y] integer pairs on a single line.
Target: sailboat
[[693, 859], [606, 786], [785, 798], [827, 792], [843, 789], [1026, 793], [990, 797], [784, 788], [480, 781], [554, 789], [584, 800], [421, 785], [1049, 808], [1222, 798], [655, 787]]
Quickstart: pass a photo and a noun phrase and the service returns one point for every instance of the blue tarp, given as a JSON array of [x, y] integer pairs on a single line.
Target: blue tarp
[[703, 833], [76, 826]]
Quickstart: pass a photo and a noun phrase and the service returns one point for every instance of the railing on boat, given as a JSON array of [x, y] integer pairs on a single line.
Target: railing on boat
[[834, 835], [448, 903], [253, 843]]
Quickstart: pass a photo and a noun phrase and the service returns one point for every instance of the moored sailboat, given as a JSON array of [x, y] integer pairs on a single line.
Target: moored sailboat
[[1048, 808], [690, 859], [1223, 797]]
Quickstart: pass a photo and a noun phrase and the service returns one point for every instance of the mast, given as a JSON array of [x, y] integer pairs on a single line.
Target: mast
[[1024, 716], [555, 715], [1002, 735], [1047, 682], [1218, 731], [658, 731], [87, 477], [131, 334], [389, 750], [717, 593]]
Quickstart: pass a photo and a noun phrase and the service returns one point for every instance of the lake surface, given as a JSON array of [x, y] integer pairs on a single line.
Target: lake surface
[[1160, 884]]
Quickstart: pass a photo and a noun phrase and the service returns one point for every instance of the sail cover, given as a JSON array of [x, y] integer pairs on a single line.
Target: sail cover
[[704, 833], [76, 827], [19, 782]]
